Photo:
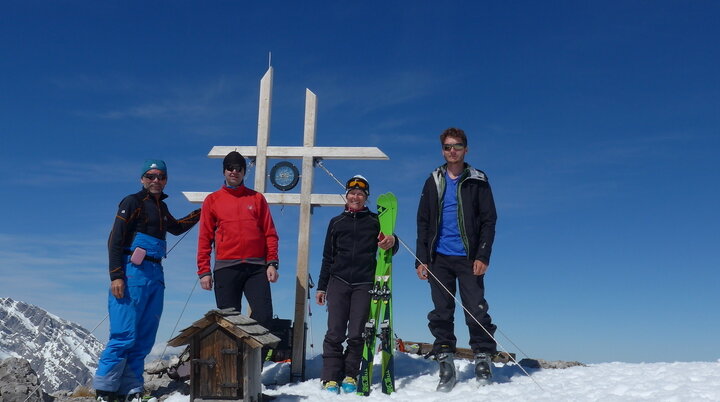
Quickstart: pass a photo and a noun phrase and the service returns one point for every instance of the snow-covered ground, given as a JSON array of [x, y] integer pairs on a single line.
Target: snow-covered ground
[[416, 378]]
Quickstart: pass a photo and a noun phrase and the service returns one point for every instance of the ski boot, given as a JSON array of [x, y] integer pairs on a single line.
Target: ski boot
[[138, 397], [483, 369], [447, 371], [106, 396], [349, 385], [331, 386]]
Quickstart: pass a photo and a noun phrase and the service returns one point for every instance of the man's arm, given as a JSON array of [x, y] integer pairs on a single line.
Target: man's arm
[[423, 224], [206, 238], [487, 216], [182, 225], [128, 211], [268, 227]]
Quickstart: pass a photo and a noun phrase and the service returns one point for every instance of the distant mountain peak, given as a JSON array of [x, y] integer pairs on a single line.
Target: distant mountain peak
[[63, 353]]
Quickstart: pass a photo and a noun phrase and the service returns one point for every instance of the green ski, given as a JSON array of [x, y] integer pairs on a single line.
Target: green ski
[[380, 308]]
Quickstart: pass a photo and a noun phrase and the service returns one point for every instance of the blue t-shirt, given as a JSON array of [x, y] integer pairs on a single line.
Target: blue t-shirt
[[449, 241]]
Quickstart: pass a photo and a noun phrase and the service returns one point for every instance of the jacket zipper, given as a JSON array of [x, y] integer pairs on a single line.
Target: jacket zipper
[[461, 217]]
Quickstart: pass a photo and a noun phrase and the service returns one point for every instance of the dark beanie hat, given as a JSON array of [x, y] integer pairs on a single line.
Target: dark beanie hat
[[234, 160]]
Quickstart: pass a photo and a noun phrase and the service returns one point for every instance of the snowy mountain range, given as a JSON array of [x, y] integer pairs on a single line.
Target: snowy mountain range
[[63, 354]]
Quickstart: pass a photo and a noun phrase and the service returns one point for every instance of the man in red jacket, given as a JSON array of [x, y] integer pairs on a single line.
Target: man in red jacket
[[237, 221]]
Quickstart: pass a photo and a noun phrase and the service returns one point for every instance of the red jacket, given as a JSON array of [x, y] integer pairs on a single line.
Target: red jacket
[[238, 222]]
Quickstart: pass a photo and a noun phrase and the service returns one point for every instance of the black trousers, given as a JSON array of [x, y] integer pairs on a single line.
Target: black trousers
[[348, 309], [249, 279], [450, 271]]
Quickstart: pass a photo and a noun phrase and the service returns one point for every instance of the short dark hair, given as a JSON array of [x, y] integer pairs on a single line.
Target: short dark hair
[[455, 133]]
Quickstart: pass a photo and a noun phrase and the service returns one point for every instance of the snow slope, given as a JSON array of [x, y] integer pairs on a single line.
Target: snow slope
[[416, 379]]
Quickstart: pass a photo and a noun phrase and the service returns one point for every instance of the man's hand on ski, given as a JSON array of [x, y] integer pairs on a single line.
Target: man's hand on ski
[[117, 287], [479, 268], [422, 272], [385, 242]]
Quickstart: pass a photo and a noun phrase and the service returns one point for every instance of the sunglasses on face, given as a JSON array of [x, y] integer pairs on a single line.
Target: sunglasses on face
[[457, 147], [356, 184], [153, 177], [233, 168]]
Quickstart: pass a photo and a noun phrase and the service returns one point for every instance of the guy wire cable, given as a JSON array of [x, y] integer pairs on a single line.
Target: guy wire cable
[[470, 314], [318, 162], [180, 317]]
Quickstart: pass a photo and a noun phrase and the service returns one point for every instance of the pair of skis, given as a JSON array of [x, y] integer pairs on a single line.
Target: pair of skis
[[380, 308]]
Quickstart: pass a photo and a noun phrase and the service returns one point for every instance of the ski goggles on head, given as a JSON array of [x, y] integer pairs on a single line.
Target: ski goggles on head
[[357, 183]]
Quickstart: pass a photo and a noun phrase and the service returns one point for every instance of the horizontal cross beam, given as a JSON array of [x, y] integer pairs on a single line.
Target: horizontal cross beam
[[197, 197], [365, 153]]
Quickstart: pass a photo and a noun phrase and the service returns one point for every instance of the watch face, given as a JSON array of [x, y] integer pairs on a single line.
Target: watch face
[[284, 176]]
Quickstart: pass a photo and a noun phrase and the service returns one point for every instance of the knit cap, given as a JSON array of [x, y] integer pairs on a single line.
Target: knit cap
[[153, 164], [234, 160]]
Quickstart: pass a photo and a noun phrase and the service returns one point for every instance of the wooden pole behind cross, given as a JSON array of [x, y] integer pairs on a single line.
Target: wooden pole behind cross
[[308, 153]]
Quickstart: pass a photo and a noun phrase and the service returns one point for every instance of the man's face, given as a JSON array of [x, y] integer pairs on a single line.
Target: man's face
[[450, 150], [234, 175], [154, 181]]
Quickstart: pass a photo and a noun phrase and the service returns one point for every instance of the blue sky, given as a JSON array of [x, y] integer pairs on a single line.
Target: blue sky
[[596, 122]]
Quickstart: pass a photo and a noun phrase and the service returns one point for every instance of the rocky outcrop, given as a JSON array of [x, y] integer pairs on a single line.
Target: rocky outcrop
[[19, 382]]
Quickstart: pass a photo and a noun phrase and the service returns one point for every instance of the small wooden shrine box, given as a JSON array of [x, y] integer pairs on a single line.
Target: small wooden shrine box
[[225, 355]]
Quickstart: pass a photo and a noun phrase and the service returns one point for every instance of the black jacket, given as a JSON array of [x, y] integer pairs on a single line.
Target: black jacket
[[142, 212], [350, 248], [476, 214]]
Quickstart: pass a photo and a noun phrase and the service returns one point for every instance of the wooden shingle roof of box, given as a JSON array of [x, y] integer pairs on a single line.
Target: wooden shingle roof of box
[[243, 327]]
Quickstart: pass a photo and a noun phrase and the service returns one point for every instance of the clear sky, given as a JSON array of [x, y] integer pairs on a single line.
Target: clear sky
[[598, 124]]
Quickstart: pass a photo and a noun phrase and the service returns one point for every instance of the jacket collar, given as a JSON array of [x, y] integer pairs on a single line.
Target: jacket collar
[[236, 191], [143, 193], [361, 212]]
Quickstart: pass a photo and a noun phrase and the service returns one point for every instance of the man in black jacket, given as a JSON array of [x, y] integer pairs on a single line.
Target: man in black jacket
[[455, 232]]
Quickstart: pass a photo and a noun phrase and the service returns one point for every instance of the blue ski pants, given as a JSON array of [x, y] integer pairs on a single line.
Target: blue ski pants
[[134, 321]]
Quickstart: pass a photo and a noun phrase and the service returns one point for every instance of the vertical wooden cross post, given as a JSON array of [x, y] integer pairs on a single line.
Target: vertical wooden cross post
[[309, 153]]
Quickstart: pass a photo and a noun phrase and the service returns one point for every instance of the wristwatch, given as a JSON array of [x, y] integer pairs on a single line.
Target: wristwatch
[[273, 264]]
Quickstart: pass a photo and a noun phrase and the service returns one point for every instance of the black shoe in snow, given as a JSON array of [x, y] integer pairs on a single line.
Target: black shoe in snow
[[483, 369], [447, 372]]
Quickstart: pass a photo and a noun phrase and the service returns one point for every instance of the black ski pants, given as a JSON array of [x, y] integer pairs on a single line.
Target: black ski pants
[[249, 279], [450, 271], [348, 309]]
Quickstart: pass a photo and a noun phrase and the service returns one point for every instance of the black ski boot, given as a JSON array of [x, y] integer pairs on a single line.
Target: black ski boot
[[483, 369], [106, 396], [447, 371]]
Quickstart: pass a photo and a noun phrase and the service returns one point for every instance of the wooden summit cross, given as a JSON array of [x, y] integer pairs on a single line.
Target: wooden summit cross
[[309, 153]]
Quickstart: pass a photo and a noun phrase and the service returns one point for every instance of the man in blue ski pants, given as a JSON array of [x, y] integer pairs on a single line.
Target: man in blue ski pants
[[136, 247]]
